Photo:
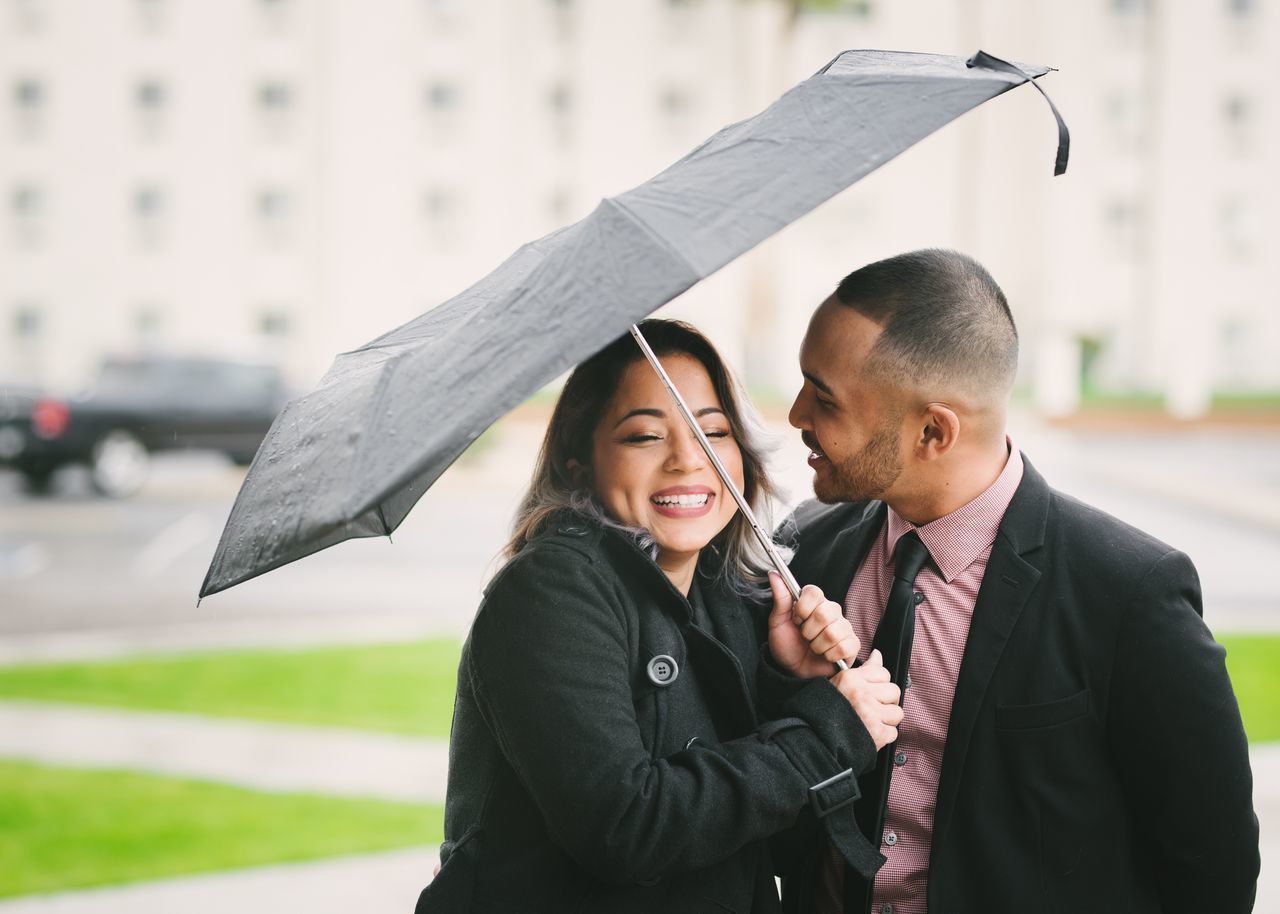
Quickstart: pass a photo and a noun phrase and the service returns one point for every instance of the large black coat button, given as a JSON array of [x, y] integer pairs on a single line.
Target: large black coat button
[[663, 670]]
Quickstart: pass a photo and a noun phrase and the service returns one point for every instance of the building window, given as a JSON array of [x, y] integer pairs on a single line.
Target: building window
[[151, 103], [29, 15], [442, 96], [27, 205], [676, 104], [1126, 118], [277, 15], [1238, 115], [560, 104], [1239, 227], [28, 323], [275, 323], [562, 19], [152, 14], [150, 214], [30, 99], [150, 95], [442, 15], [440, 213], [1124, 227], [444, 107], [148, 324], [276, 102], [559, 203], [274, 211]]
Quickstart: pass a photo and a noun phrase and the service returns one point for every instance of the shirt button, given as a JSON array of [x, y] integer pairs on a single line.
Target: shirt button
[[886, 909], [890, 838], [900, 759], [919, 598]]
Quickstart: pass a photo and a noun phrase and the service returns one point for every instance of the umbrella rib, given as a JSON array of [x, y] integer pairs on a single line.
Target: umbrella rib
[[649, 230]]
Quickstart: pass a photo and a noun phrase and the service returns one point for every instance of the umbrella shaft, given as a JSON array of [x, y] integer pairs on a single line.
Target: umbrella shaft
[[766, 541]]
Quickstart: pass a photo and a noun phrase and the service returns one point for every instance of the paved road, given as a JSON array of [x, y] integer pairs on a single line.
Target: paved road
[[129, 570]]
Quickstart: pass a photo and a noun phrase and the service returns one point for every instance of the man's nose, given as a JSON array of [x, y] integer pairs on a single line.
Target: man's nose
[[798, 415]]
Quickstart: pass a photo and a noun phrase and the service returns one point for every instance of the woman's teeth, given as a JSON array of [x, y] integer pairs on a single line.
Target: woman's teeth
[[683, 501]]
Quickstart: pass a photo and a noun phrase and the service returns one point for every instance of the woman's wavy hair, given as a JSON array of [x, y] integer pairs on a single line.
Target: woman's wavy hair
[[739, 558]]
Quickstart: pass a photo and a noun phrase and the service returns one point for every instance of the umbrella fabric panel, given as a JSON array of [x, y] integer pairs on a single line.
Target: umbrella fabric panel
[[756, 177], [352, 457], [341, 472]]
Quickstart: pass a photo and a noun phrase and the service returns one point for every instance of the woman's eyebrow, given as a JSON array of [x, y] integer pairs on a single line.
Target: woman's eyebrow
[[659, 414]]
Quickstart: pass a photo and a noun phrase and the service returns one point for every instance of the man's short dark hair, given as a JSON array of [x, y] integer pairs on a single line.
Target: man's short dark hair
[[943, 318]]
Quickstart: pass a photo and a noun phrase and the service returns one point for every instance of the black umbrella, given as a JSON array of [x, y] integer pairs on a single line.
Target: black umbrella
[[353, 456]]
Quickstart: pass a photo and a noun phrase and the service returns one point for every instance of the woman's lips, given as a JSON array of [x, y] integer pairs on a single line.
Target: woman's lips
[[683, 501]]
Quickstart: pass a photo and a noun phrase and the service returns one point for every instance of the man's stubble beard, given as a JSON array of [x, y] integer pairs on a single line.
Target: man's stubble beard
[[865, 475]]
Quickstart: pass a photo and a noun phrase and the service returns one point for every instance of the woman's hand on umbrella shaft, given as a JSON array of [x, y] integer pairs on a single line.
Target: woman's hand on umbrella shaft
[[808, 635]]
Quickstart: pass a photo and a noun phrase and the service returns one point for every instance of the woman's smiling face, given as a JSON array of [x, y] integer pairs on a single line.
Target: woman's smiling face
[[648, 470]]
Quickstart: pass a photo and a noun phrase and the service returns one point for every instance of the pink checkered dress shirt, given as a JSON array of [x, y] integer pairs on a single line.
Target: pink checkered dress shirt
[[959, 544]]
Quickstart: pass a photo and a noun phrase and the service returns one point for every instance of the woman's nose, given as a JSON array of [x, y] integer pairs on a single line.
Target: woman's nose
[[686, 453]]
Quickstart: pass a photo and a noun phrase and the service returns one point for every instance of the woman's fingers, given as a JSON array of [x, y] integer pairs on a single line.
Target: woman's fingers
[[811, 597], [782, 601], [836, 642]]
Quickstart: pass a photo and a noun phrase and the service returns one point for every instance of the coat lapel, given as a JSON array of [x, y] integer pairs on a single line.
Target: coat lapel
[[723, 676], [1007, 584]]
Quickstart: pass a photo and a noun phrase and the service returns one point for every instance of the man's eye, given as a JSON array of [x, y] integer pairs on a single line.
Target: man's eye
[[825, 404]]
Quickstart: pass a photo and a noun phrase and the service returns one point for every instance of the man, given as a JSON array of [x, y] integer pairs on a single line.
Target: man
[[1071, 741]]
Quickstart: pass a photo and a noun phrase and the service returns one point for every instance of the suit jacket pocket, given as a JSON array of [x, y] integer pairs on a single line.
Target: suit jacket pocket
[[1046, 714]]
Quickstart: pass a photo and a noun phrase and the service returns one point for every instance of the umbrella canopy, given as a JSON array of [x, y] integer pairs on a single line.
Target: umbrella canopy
[[352, 457]]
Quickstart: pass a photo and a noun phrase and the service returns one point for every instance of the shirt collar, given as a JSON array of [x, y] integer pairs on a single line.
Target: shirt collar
[[956, 540]]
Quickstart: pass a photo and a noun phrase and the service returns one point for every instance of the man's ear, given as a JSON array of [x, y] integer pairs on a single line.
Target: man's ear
[[580, 474], [940, 432]]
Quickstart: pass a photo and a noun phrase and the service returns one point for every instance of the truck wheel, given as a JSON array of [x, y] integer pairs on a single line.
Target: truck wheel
[[39, 480], [119, 464]]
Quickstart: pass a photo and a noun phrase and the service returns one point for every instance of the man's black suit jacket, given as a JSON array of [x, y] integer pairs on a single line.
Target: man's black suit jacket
[[1095, 759]]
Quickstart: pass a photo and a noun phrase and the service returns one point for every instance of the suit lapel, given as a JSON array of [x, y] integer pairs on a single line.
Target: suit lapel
[[832, 568], [1007, 584]]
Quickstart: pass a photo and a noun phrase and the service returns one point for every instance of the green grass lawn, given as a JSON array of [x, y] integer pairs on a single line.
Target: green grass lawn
[[63, 828], [1254, 664], [408, 688], [401, 688]]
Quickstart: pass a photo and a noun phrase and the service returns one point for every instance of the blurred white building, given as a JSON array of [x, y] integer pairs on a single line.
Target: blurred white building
[[290, 178]]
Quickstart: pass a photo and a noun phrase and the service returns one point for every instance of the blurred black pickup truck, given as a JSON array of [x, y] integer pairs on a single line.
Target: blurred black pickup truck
[[138, 406]]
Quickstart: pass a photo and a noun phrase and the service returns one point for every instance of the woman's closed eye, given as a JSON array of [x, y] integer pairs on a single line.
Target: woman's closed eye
[[641, 438]]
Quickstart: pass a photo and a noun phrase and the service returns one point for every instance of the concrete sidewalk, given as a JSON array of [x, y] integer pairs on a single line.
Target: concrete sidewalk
[[293, 758], [383, 883], [260, 755]]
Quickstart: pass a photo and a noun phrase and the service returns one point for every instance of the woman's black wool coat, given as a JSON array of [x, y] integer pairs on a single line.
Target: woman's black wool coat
[[579, 782]]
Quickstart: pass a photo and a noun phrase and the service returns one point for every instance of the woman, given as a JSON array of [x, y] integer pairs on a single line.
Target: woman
[[608, 750]]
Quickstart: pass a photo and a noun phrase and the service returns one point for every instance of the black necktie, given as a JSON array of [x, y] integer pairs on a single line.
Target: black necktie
[[893, 640]]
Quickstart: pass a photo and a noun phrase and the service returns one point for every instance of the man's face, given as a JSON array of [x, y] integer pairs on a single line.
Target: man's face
[[853, 428]]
